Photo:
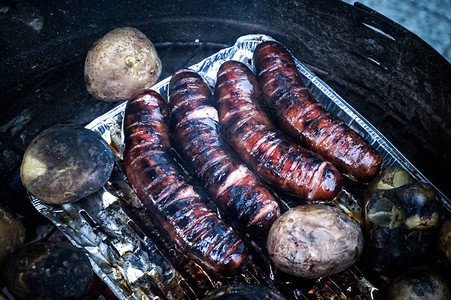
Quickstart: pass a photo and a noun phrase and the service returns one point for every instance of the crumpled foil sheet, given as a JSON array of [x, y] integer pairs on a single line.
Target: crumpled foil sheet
[[124, 257]]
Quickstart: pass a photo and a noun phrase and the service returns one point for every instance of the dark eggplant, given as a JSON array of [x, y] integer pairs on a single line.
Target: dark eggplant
[[401, 220], [48, 270]]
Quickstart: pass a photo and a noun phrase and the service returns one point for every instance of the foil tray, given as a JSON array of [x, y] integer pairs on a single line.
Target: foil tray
[[131, 256]]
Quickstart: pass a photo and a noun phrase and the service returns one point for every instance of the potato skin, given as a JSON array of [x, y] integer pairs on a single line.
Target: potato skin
[[65, 163], [119, 63], [12, 234], [401, 221], [418, 283], [314, 240], [444, 243], [48, 270]]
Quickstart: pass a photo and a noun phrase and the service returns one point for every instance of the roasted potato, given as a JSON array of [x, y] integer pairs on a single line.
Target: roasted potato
[[418, 283], [119, 63], [66, 163], [12, 234], [48, 270], [444, 244], [3, 296], [401, 220], [314, 240]]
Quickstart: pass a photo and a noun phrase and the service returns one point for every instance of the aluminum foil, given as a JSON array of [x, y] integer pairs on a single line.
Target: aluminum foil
[[126, 258]]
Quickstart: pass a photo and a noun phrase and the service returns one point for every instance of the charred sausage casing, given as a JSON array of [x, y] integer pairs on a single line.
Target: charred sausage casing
[[305, 120], [266, 151], [158, 182], [240, 196]]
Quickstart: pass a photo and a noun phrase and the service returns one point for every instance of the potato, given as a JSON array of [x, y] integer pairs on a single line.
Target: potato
[[48, 270], [314, 240], [3, 296], [401, 220], [418, 283], [119, 63], [12, 234], [66, 163], [444, 243]]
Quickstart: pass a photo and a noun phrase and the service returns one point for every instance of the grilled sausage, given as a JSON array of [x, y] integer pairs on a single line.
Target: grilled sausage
[[239, 194], [305, 120], [159, 184], [266, 151]]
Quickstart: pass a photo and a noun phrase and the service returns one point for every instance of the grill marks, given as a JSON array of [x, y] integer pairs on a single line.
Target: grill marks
[[304, 119], [266, 151], [161, 187], [240, 196]]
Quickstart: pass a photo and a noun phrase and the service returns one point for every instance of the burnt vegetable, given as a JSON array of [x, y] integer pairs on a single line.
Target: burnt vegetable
[[444, 244], [314, 240], [243, 292], [12, 234], [401, 220], [66, 163], [48, 270], [418, 283], [120, 63]]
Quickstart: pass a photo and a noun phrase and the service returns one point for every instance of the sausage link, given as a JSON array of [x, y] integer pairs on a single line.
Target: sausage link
[[266, 151], [159, 184], [243, 199], [305, 120]]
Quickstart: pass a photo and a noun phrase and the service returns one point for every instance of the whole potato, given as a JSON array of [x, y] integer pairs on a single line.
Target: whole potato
[[401, 220], [119, 63], [12, 234], [314, 240], [65, 163], [444, 244], [418, 283], [48, 270]]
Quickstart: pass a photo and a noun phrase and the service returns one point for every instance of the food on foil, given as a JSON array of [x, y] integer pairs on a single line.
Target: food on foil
[[419, 283], [120, 235], [241, 196], [160, 185], [120, 63], [444, 244], [12, 234], [402, 218], [243, 292], [314, 241], [266, 151], [65, 163], [303, 118], [48, 270]]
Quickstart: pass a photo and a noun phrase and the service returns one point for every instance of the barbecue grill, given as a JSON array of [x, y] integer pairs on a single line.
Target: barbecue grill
[[393, 78]]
